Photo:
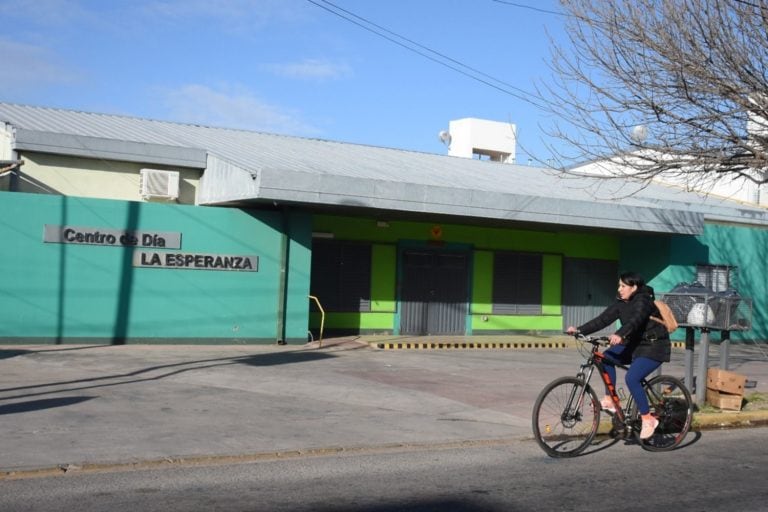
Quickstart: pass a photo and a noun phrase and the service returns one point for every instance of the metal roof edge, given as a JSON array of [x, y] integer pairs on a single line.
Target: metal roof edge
[[112, 149], [224, 182], [327, 189]]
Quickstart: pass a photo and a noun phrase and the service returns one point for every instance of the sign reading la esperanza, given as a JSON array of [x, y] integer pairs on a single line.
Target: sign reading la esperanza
[[150, 239], [195, 261]]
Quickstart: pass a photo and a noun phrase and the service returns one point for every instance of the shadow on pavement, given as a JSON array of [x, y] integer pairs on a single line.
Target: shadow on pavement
[[469, 504], [605, 441], [144, 374], [47, 403], [9, 353], [283, 358]]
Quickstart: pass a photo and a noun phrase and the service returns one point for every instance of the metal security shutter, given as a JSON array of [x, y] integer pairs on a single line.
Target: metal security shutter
[[517, 283], [435, 293], [589, 286], [341, 275]]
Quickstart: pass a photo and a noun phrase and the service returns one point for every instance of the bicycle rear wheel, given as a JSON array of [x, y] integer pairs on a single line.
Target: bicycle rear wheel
[[672, 405], [566, 416]]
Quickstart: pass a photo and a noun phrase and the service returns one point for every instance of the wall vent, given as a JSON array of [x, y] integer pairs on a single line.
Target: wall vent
[[157, 184]]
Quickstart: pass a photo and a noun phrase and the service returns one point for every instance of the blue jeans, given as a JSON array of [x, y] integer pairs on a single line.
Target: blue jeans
[[640, 368]]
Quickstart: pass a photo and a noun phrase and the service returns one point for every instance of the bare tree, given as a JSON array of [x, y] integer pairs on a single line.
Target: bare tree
[[667, 87]]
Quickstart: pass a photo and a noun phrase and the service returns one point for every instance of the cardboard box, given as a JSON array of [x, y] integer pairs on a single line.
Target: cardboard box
[[726, 382], [722, 400]]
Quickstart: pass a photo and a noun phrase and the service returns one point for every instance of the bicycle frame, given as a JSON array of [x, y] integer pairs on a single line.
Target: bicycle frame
[[596, 361], [566, 414]]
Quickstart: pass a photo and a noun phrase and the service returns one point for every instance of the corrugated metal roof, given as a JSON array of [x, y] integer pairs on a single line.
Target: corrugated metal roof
[[326, 172]]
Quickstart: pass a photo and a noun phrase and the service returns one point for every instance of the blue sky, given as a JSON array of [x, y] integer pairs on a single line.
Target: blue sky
[[285, 66]]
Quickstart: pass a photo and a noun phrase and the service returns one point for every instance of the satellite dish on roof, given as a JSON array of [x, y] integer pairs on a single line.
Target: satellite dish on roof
[[445, 137]]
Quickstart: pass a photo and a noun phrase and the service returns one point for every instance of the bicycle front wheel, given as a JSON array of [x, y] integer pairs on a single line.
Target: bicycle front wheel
[[566, 416], [671, 403]]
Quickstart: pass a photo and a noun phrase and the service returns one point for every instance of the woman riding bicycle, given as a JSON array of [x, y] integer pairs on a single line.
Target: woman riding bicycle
[[639, 340]]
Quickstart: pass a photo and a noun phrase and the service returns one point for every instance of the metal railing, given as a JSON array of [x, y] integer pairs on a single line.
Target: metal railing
[[322, 320]]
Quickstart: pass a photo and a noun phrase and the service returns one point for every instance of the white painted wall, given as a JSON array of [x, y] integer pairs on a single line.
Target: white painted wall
[[85, 177], [6, 142], [735, 189]]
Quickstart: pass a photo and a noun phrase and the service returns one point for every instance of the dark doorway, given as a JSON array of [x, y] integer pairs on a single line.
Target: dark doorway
[[434, 295], [589, 286]]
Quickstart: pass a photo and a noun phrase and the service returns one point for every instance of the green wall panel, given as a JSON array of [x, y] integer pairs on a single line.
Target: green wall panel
[[382, 322], [384, 260], [482, 284], [57, 291], [552, 285], [516, 323], [484, 240], [667, 261], [299, 230], [747, 249], [570, 244]]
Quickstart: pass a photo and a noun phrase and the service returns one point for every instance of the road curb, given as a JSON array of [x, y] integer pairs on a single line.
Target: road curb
[[735, 419], [214, 460], [701, 421]]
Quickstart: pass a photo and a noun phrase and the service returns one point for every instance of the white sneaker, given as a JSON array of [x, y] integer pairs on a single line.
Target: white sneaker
[[606, 404], [649, 427]]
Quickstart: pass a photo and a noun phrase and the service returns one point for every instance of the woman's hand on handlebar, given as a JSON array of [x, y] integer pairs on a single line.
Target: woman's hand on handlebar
[[571, 330]]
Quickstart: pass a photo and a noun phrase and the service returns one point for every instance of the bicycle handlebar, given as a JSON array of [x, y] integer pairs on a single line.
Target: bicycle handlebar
[[598, 341]]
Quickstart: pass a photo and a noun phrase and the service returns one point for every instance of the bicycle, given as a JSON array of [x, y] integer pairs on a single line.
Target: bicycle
[[566, 414]]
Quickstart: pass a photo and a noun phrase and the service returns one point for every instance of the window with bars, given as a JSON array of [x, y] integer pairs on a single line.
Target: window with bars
[[717, 278], [517, 283], [341, 275]]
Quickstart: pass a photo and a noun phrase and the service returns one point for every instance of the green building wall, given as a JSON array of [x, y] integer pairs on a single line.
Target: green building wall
[[387, 237], [669, 260], [67, 293], [665, 260], [70, 293]]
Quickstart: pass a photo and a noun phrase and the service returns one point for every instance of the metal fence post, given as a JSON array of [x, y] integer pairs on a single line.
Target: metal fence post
[[689, 340], [725, 345], [701, 377]]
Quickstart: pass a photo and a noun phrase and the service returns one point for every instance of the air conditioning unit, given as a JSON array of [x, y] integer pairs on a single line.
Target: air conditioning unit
[[158, 184]]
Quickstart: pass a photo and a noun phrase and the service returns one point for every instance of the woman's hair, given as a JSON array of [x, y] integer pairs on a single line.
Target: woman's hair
[[632, 279]]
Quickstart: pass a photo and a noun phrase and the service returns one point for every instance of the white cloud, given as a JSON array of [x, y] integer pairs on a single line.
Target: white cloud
[[312, 69], [28, 66], [232, 107]]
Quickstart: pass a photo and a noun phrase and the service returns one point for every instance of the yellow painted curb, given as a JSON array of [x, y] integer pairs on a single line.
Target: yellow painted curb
[[710, 420], [467, 345]]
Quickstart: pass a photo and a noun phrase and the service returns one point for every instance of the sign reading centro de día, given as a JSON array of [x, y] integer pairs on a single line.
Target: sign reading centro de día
[[154, 239], [195, 261], [110, 237]]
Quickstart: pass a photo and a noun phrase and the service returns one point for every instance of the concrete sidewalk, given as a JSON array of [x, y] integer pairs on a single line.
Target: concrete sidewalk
[[80, 406]]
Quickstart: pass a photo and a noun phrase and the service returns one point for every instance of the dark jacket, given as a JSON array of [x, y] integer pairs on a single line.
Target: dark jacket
[[643, 337]]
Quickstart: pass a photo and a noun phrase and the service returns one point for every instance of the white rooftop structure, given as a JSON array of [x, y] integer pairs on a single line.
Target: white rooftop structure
[[734, 188], [480, 138]]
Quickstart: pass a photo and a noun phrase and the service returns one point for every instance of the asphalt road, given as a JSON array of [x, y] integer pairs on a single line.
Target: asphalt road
[[64, 406], [714, 471]]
